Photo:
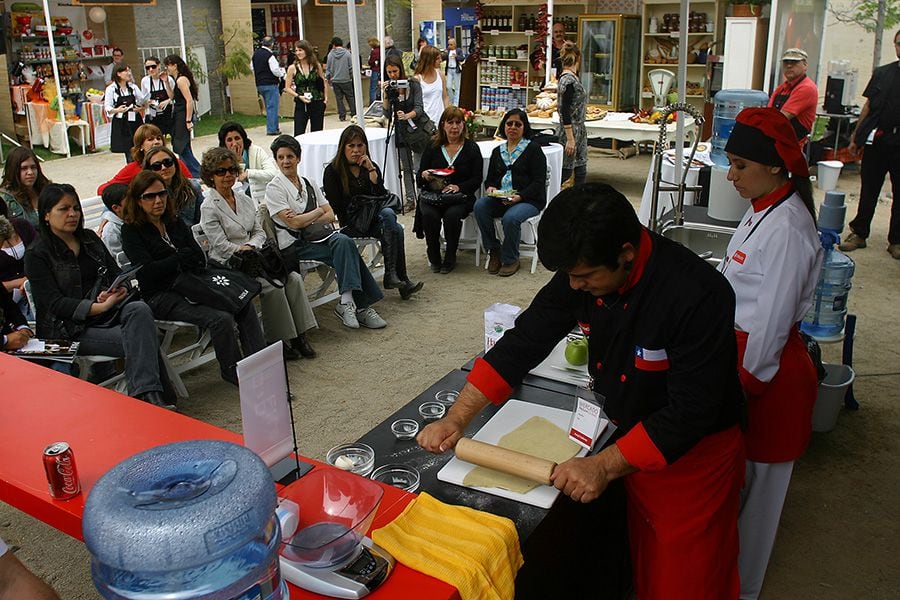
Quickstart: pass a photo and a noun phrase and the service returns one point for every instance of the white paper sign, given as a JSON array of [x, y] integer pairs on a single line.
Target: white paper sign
[[265, 412], [587, 423]]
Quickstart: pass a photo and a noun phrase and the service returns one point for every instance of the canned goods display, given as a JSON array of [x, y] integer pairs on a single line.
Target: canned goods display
[[62, 476]]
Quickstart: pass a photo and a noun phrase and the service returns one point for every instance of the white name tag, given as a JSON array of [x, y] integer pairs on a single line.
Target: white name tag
[[587, 422]]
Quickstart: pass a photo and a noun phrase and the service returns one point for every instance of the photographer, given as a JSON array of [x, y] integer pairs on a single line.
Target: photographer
[[402, 100]]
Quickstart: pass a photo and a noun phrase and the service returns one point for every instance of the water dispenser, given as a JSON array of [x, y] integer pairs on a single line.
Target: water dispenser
[[728, 103], [826, 316]]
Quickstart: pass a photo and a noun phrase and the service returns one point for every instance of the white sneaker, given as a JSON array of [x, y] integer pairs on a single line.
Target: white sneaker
[[347, 314], [367, 317]]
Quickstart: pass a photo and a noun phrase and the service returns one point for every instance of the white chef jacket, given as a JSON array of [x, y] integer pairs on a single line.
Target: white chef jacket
[[109, 101], [168, 83], [774, 274]]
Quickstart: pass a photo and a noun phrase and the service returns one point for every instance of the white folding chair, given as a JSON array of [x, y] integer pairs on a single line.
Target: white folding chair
[[468, 237], [92, 211]]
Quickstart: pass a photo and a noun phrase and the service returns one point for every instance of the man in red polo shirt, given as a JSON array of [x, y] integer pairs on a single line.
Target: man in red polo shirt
[[798, 95], [661, 350]]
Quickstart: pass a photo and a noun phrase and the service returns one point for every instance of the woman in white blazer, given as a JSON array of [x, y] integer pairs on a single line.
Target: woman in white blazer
[[230, 222], [259, 167]]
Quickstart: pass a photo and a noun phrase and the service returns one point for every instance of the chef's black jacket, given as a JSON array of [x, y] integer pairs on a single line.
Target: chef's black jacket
[[662, 351]]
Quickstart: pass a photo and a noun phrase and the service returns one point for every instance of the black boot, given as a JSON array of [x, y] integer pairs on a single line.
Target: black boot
[[434, 257], [407, 287], [449, 259], [301, 344], [156, 399], [389, 251]]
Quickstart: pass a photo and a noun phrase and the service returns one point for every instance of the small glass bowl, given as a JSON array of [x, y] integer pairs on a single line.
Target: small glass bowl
[[446, 397], [432, 411], [399, 476], [362, 456], [405, 429]]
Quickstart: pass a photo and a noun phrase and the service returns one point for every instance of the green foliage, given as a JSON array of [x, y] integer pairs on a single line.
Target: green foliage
[[865, 14], [231, 58]]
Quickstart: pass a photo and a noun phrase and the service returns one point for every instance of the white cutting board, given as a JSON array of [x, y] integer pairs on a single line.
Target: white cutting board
[[557, 368], [512, 414]]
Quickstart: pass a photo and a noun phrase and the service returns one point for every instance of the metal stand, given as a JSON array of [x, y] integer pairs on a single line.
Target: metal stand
[[847, 358]]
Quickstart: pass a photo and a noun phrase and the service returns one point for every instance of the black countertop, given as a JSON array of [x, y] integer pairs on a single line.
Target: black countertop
[[389, 450]]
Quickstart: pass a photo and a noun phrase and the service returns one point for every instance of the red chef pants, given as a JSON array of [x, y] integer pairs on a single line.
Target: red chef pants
[[682, 523]]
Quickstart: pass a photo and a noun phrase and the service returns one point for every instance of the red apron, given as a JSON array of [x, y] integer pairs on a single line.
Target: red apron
[[779, 422], [682, 523]]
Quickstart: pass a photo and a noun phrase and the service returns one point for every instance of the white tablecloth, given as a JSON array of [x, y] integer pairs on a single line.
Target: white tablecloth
[[319, 148], [553, 152], [620, 130]]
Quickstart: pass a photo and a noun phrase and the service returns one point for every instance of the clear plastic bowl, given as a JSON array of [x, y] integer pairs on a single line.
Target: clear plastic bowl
[[399, 476], [405, 429], [361, 455], [336, 510], [432, 411], [447, 397]]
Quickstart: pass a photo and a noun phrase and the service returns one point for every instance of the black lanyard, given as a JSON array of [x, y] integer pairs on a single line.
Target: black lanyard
[[757, 224]]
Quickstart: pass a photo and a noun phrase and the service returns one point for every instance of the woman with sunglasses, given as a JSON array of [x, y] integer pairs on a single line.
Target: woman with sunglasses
[[147, 136], [306, 83], [230, 222], [122, 100], [184, 104], [303, 224], [258, 166], [185, 193], [70, 272], [160, 89], [516, 190], [23, 181], [154, 238]]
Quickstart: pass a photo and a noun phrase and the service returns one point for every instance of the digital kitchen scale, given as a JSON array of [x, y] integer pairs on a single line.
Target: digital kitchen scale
[[355, 577], [325, 550]]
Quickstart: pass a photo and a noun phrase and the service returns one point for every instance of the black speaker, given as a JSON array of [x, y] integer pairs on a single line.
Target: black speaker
[[834, 94]]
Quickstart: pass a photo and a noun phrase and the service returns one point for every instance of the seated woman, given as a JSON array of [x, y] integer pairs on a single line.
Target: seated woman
[[23, 181], [146, 137], [184, 193], [449, 150], [516, 188], [15, 236], [352, 173], [258, 167], [154, 238], [229, 220], [303, 220], [70, 272]]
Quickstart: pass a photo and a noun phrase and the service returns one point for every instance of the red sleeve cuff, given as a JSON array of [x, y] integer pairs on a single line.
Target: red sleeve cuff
[[640, 451], [752, 385], [489, 382]]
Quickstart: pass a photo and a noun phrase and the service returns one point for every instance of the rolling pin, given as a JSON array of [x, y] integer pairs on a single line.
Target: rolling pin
[[507, 461]]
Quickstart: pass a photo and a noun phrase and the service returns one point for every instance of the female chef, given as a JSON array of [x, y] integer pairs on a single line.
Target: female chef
[[773, 264]]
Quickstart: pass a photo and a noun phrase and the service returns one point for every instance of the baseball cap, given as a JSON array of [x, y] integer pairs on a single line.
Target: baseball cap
[[794, 54]]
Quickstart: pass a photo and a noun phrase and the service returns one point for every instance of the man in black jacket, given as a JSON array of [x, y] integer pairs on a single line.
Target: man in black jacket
[[268, 74], [662, 358], [878, 129]]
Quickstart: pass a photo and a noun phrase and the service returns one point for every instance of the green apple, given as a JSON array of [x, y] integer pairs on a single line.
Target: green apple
[[577, 352]]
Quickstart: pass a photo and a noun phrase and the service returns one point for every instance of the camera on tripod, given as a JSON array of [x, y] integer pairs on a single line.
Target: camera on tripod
[[394, 86]]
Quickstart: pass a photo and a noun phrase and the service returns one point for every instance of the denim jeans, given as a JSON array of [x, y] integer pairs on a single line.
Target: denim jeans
[[344, 90], [340, 252], [511, 218], [134, 337], [190, 161], [270, 97], [373, 86]]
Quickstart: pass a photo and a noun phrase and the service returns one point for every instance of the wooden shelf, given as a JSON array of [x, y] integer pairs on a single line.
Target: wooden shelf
[[673, 65], [675, 35]]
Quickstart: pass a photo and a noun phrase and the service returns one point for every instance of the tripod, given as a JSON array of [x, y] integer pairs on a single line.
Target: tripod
[[403, 166]]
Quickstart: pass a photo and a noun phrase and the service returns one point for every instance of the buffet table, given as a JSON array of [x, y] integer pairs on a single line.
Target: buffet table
[[103, 428], [44, 128], [619, 128], [319, 148]]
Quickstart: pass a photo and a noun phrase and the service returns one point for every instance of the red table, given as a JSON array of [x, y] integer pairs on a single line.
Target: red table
[[41, 406]]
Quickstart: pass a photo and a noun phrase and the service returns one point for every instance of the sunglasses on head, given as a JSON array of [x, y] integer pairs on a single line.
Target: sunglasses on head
[[230, 170], [162, 164], [150, 67], [153, 196]]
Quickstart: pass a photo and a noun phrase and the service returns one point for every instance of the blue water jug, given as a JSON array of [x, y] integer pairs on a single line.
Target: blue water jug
[[728, 103], [186, 520], [826, 316]]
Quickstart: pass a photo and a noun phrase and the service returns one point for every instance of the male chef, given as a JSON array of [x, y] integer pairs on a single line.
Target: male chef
[[662, 355]]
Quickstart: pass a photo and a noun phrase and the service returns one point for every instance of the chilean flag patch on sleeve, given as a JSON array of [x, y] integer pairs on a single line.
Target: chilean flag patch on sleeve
[[650, 360]]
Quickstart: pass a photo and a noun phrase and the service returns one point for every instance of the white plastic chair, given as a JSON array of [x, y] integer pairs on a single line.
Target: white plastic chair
[[92, 211]]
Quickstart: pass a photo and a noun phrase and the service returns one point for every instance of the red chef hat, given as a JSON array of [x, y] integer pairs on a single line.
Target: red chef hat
[[765, 135]]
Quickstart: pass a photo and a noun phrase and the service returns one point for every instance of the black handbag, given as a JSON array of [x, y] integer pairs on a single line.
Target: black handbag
[[440, 200], [363, 209], [219, 288], [265, 262]]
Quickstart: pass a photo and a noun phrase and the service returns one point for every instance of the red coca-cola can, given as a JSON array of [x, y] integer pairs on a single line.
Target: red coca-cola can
[[62, 476]]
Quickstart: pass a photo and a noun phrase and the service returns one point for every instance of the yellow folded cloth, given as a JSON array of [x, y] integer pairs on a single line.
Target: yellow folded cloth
[[474, 551]]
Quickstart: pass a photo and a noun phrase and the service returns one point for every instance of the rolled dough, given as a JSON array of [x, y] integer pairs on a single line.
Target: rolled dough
[[538, 437]]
